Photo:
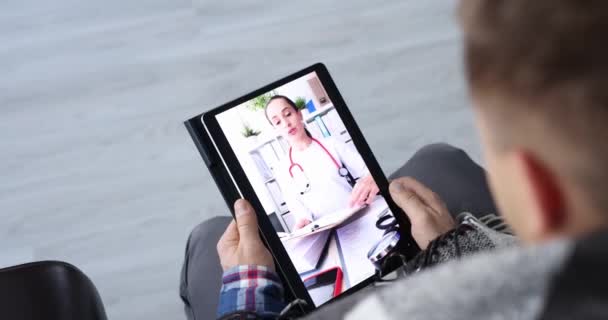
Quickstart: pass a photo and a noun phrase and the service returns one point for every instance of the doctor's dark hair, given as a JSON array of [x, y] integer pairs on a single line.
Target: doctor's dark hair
[[289, 102]]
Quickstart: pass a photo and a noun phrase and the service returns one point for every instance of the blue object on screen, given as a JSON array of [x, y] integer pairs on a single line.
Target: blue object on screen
[[322, 126], [310, 106]]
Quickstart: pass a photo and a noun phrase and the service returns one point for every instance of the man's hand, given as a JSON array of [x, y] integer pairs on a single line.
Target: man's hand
[[364, 191], [428, 214], [241, 244]]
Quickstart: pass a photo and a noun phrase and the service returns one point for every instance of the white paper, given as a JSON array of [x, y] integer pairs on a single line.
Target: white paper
[[356, 238], [306, 252]]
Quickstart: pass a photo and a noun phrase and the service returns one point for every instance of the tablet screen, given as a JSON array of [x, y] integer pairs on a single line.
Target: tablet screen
[[314, 185]]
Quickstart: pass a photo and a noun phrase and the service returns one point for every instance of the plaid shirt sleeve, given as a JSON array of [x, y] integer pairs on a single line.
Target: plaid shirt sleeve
[[251, 288]]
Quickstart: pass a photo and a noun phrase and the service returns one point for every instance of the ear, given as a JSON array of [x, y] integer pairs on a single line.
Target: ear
[[546, 194]]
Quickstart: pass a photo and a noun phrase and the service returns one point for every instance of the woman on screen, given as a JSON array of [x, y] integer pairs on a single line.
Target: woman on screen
[[320, 176]]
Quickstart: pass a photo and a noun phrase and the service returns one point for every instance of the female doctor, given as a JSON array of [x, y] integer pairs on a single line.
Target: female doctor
[[318, 175]]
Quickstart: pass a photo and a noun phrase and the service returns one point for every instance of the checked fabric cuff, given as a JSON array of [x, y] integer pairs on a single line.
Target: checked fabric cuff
[[253, 289]]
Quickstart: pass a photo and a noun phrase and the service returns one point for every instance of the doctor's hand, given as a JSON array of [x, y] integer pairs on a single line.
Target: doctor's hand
[[364, 192], [428, 214], [241, 244], [301, 223]]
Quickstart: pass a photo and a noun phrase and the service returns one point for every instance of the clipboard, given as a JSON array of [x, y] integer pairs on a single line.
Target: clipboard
[[327, 222]]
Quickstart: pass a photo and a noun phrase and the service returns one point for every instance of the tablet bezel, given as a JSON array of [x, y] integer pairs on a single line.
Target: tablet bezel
[[239, 178]]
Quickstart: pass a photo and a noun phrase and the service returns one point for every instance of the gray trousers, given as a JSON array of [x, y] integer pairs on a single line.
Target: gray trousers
[[448, 171]]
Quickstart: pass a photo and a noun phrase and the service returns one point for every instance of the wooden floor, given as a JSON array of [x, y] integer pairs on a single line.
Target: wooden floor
[[96, 168]]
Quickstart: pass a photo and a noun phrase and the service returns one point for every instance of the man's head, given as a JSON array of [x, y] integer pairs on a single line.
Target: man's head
[[538, 76]]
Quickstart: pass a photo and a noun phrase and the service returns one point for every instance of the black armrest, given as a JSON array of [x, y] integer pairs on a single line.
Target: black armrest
[[48, 290]]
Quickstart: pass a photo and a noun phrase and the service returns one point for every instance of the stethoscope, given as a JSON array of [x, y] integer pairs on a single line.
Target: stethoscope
[[384, 250], [305, 182], [387, 222]]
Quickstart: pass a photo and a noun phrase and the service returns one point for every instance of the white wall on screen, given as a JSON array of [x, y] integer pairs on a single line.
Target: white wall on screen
[[298, 88], [232, 122]]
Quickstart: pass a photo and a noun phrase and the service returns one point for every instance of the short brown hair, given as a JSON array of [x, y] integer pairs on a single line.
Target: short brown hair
[[545, 65]]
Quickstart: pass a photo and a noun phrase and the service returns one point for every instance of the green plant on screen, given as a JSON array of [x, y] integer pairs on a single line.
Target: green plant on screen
[[300, 103], [249, 132], [259, 102]]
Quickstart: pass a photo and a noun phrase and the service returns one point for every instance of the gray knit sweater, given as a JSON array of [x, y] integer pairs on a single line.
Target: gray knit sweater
[[562, 279]]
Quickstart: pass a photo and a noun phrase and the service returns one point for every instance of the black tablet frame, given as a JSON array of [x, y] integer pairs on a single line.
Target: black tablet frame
[[211, 141]]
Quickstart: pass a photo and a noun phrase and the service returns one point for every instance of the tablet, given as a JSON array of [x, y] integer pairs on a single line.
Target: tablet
[[293, 149]]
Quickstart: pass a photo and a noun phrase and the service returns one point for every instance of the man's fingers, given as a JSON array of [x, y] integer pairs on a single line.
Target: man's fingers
[[246, 220], [408, 200], [230, 237], [424, 193]]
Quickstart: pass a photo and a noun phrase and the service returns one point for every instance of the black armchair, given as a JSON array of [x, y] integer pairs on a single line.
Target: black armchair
[[49, 290]]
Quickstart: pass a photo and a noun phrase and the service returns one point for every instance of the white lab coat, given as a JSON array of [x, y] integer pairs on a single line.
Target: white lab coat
[[329, 192]]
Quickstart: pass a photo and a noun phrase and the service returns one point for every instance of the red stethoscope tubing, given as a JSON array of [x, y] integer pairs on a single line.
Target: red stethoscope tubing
[[300, 167]]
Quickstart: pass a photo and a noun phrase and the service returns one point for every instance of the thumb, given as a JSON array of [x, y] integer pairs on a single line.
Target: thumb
[[246, 220], [408, 200]]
